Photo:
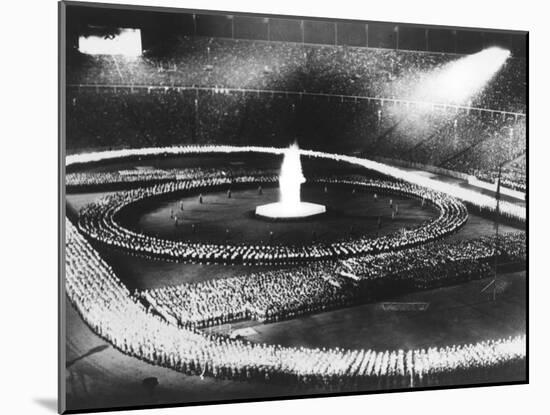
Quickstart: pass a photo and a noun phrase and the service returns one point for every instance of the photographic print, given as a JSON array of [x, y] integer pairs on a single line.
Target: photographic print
[[264, 207]]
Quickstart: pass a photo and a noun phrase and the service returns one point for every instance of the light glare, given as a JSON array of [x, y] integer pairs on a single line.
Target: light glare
[[459, 81], [126, 43]]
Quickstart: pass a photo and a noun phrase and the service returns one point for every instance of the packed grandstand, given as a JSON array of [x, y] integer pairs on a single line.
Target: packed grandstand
[[220, 96], [367, 92]]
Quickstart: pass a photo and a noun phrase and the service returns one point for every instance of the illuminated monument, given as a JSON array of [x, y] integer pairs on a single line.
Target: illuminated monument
[[291, 178]]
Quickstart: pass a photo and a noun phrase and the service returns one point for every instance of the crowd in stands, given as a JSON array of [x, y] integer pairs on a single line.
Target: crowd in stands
[[109, 309], [292, 67], [141, 104], [513, 176], [98, 220], [472, 142], [284, 294], [469, 142]]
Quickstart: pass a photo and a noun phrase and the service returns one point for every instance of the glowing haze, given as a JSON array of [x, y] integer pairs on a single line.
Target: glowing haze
[[459, 81], [291, 178]]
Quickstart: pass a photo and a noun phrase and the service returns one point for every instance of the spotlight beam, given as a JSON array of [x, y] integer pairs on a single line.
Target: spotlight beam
[[459, 81]]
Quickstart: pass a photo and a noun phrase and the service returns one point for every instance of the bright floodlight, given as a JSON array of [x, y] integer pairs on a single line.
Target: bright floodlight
[[459, 81], [127, 43], [290, 180]]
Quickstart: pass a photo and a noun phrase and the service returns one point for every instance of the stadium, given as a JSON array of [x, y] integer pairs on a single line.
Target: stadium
[[265, 207]]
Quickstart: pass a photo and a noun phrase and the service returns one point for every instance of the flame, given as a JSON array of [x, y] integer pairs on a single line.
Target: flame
[[291, 178]]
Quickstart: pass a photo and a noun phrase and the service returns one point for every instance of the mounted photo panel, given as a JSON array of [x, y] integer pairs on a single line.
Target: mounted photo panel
[[259, 207]]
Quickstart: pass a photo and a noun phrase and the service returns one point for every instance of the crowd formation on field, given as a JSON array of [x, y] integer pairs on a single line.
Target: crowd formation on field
[[100, 179], [283, 294], [479, 201], [98, 220], [108, 308]]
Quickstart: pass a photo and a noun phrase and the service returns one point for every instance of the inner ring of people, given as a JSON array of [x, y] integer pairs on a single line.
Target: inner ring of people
[[99, 221]]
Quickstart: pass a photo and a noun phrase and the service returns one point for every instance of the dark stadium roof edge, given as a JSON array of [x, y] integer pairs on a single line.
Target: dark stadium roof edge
[[294, 29]]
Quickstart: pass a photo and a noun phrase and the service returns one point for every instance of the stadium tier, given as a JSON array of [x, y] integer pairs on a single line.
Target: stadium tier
[[284, 66], [349, 100]]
